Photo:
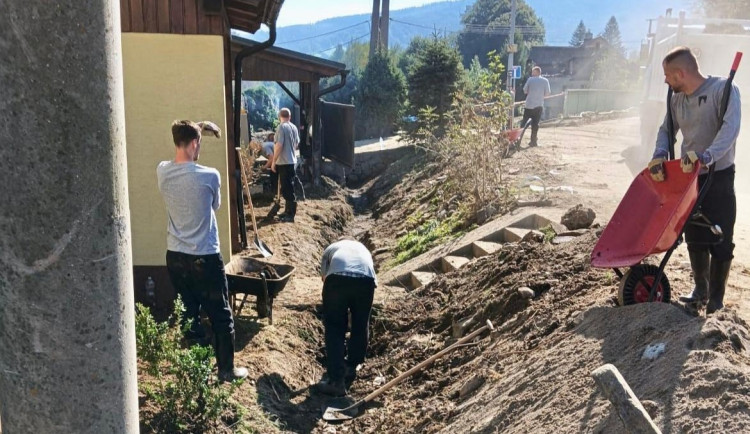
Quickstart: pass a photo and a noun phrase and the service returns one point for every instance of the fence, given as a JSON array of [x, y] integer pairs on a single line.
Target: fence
[[598, 100]]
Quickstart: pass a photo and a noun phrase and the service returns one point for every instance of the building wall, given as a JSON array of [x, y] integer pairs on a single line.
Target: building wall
[[170, 77]]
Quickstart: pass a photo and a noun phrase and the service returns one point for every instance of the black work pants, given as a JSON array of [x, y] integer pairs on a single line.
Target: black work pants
[[201, 282], [286, 177], [720, 207], [535, 114], [341, 295]]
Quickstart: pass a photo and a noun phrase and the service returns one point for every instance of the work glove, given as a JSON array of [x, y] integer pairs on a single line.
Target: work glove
[[687, 162], [208, 126], [656, 169]]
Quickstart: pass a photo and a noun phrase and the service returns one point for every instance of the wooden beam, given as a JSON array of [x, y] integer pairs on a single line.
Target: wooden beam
[[163, 15], [177, 17], [151, 21], [136, 16], [124, 16], [204, 22], [630, 410], [191, 17]]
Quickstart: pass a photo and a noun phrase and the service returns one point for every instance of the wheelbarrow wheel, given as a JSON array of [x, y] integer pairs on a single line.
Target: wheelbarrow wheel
[[636, 283]]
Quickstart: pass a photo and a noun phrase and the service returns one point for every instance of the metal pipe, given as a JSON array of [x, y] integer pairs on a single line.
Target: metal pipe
[[335, 87], [247, 52]]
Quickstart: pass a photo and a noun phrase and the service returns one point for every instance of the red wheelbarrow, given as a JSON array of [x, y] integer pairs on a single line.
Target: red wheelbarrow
[[514, 137], [651, 219]]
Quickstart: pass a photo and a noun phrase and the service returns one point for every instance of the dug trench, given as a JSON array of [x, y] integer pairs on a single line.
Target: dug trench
[[531, 374]]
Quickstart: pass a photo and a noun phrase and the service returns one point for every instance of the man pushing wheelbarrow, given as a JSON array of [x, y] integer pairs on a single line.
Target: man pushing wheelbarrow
[[707, 111]]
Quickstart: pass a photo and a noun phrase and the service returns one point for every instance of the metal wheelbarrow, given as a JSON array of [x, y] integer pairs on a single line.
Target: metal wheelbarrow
[[649, 220], [248, 276]]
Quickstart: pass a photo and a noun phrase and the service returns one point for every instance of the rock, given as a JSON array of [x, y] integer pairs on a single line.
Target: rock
[[526, 292], [653, 351], [471, 386], [533, 236], [578, 217], [652, 408], [485, 214]]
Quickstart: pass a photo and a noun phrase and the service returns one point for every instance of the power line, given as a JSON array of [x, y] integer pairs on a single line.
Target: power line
[[483, 29], [343, 45], [324, 34]]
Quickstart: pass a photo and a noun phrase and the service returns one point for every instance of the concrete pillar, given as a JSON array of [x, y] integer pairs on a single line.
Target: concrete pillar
[[67, 341]]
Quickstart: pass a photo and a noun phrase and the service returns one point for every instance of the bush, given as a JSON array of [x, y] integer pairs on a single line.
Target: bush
[[180, 381], [472, 146]]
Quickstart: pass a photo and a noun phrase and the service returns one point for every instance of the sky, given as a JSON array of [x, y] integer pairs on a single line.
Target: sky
[[300, 12]]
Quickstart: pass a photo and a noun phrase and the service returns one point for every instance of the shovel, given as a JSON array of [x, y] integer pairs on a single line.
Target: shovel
[[333, 414], [277, 205], [260, 245]]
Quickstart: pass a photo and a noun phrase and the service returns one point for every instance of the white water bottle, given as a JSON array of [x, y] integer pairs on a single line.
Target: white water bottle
[[150, 290]]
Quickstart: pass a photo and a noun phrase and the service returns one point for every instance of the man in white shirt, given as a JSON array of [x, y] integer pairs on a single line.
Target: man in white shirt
[[536, 88]]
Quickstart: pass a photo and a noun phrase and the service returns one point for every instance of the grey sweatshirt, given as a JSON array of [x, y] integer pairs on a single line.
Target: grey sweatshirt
[[347, 258], [192, 193], [697, 116]]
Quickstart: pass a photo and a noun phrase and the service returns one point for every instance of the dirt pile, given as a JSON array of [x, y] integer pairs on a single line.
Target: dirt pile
[[533, 373]]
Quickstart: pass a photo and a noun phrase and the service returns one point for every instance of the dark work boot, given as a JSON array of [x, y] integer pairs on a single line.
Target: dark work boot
[[331, 387], [290, 213], [225, 358], [286, 211], [699, 262], [717, 284]]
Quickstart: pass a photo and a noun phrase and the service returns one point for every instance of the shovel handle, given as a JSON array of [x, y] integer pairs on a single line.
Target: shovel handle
[[247, 190], [418, 367]]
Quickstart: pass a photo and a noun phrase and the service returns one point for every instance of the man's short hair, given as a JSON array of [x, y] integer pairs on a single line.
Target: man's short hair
[[284, 113], [683, 58], [536, 68], [184, 132]]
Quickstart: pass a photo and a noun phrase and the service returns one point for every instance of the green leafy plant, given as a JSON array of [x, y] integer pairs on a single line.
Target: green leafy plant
[[180, 381]]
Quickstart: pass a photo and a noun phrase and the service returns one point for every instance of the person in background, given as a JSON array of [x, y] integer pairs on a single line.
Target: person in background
[[284, 161], [536, 88]]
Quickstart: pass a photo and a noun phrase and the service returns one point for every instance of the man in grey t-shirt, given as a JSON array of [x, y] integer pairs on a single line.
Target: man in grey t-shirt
[[536, 88], [284, 161], [348, 287], [191, 193], [710, 138]]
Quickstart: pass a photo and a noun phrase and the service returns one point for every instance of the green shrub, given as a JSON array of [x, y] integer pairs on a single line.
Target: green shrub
[[189, 398]]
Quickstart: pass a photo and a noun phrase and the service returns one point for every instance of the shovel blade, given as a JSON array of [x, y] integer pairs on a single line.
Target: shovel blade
[[262, 248], [333, 414]]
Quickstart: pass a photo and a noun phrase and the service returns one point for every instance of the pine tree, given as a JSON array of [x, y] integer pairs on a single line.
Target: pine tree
[[579, 35], [434, 76], [380, 97], [612, 35]]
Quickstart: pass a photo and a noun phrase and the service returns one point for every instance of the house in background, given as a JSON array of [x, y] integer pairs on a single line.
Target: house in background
[[177, 65], [568, 67]]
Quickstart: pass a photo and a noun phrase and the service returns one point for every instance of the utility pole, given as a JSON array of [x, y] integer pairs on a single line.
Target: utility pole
[[385, 18], [511, 51], [374, 27], [67, 329]]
